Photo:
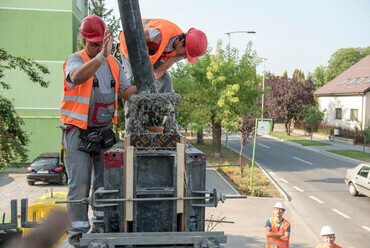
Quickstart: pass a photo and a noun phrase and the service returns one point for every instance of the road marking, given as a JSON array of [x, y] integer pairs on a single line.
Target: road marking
[[340, 213], [303, 161], [272, 173], [301, 190], [282, 179], [318, 200], [264, 145], [366, 228]]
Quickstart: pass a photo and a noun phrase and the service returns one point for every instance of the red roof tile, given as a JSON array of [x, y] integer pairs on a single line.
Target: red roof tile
[[359, 70]]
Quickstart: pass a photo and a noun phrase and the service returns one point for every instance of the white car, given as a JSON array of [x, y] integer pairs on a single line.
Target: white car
[[358, 180]]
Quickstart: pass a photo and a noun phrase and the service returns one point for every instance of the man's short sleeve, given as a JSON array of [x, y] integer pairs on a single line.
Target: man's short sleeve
[[268, 224], [155, 35], [123, 82], [73, 62], [288, 229]]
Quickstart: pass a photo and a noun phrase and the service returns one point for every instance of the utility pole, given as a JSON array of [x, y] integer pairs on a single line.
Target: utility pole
[[263, 84]]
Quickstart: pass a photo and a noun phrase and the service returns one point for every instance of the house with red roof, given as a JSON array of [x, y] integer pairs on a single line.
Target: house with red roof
[[346, 98]]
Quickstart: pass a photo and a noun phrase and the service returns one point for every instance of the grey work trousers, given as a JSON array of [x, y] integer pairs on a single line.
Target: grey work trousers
[[79, 166]]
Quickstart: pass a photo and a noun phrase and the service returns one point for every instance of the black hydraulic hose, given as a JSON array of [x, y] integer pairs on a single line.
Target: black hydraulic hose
[[136, 46]]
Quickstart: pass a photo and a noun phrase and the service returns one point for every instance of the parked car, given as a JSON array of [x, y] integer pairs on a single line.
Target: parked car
[[47, 168], [358, 180]]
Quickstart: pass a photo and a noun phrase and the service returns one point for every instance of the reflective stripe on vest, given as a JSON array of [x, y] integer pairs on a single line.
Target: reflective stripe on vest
[[275, 243], [167, 29], [74, 107]]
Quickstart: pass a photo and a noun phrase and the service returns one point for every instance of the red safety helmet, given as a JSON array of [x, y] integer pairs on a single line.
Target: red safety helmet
[[196, 44], [92, 28]]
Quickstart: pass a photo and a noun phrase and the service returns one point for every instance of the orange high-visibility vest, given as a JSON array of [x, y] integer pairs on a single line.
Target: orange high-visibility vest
[[74, 107], [167, 29], [275, 243]]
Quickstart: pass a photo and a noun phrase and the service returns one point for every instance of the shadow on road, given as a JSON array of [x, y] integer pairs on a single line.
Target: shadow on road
[[5, 179], [327, 180]]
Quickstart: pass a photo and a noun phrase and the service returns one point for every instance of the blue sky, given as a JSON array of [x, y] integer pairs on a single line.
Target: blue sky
[[289, 33]]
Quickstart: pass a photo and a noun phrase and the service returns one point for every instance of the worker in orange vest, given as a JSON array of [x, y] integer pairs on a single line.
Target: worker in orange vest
[[277, 228], [167, 44], [328, 236], [92, 80]]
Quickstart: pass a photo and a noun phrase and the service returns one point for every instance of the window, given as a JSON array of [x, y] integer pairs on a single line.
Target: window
[[364, 171], [354, 114], [362, 79], [353, 80], [345, 81], [338, 113]]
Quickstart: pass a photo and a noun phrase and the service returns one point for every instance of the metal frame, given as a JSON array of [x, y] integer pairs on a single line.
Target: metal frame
[[196, 239]]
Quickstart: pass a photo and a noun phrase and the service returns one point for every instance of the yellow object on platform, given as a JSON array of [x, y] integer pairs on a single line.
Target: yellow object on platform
[[42, 207]]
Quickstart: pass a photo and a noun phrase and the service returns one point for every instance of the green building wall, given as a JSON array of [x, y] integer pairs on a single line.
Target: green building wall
[[45, 31]]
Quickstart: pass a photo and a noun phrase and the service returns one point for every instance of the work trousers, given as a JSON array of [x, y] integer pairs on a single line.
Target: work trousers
[[79, 166]]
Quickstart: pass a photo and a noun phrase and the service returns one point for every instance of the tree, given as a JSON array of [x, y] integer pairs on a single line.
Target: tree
[[298, 74], [318, 77], [13, 139], [312, 115], [366, 134], [221, 87], [246, 126], [287, 98]]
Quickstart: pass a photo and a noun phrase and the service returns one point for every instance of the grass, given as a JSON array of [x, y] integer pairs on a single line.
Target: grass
[[299, 140], [353, 154], [262, 186]]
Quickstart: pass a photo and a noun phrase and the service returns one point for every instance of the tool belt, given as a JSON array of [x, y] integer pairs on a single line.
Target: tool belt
[[92, 140]]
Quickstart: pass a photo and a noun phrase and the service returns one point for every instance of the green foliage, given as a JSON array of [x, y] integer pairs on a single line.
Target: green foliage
[[219, 88], [318, 77], [13, 139], [298, 74], [366, 134], [312, 115]]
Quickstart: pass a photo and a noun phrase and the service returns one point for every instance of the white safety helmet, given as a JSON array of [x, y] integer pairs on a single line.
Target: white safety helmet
[[327, 230], [279, 205]]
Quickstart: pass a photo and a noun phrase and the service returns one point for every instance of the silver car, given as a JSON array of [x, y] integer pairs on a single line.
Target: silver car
[[358, 180]]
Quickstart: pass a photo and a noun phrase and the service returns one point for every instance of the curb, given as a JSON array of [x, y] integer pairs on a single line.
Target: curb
[[281, 190]]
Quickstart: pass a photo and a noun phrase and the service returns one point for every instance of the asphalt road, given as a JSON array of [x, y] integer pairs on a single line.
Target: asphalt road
[[313, 182]]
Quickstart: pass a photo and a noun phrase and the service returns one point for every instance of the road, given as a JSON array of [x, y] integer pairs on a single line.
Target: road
[[315, 187]]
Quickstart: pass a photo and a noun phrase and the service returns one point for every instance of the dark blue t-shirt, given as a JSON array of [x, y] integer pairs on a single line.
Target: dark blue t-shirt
[[268, 224]]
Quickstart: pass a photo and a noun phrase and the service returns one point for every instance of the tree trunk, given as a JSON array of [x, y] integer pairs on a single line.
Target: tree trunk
[[186, 130], [216, 141], [287, 127], [191, 133], [200, 139], [241, 159], [273, 125]]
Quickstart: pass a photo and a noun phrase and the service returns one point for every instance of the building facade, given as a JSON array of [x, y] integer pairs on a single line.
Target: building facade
[[45, 31], [346, 99]]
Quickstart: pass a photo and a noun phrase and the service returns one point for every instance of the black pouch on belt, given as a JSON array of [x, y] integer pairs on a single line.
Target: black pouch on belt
[[108, 138], [90, 141]]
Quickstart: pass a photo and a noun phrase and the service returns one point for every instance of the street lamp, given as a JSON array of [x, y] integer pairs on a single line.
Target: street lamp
[[239, 32], [229, 34]]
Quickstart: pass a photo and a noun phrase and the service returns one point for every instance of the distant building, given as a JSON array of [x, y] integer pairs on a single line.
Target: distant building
[[45, 31], [346, 98]]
